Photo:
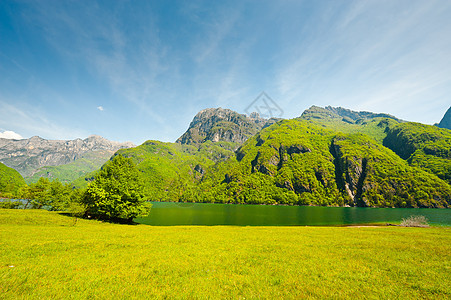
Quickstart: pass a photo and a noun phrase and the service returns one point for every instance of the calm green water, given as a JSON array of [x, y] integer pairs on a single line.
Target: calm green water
[[169, 213]]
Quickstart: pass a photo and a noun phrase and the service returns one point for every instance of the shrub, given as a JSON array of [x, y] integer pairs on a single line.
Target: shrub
[[415, 221]]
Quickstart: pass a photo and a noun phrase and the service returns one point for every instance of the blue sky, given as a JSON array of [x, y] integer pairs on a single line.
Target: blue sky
[[139, 70]]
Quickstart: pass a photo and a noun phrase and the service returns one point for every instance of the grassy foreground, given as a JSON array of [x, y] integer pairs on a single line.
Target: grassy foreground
[[44, 255]]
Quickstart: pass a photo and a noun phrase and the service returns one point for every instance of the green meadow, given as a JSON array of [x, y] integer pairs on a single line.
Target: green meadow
[[49, 255]]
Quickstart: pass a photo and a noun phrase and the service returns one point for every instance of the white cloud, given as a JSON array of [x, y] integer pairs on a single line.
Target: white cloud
[[10, 135], [100, 108]]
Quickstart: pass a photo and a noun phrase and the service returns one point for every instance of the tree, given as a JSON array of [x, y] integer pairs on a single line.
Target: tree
[[117, 192], [39, 193]]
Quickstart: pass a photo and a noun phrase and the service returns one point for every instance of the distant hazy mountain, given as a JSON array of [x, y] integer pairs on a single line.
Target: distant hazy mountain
[[446, 121], [27, 156], [218, 124]]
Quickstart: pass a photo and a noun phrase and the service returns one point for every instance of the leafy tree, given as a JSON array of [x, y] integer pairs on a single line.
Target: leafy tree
[[117, 192], [53, 195], [39, 193]]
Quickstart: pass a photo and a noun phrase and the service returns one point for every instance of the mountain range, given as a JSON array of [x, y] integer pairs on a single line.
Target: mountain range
[[218, 124], [327, 156], [66, 160]]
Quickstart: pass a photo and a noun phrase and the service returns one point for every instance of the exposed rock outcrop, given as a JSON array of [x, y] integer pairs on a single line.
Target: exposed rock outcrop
[[28, 155], [350, 173], [218, 124]]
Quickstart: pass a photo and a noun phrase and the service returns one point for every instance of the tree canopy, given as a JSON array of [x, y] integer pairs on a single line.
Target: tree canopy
[[117, 192]]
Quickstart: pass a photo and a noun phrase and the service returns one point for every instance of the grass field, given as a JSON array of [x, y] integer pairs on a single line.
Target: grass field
[[45, 255]]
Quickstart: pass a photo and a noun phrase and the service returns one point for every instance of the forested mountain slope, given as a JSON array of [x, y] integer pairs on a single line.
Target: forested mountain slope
[[328, 156], [168, 168], [10, 179], [348, 121], [424, 146], [298, 162]]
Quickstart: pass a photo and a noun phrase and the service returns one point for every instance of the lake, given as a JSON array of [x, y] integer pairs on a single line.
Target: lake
[[174, 213]]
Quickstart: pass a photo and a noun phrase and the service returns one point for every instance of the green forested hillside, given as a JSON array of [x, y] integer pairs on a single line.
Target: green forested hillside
[[424, 146], [328, 156], [88, 162], [171, 168], [10, 179], [298, 162], [370, 124]]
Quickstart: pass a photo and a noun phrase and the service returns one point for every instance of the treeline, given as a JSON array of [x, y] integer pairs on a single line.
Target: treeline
[[52, 195], [117, 193]]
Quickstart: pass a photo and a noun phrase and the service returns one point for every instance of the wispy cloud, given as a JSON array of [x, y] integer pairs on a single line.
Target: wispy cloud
[[209, 44], [100, 108], [374, 57], [10, 135], [101, 45], [31, 121]]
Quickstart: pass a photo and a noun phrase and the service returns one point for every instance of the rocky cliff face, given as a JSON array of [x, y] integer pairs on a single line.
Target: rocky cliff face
[[446, 121], [28, 155], [350, 173], [218, 124]]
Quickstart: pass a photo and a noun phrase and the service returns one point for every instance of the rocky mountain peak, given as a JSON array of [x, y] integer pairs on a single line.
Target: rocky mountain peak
[[35, 138], [218, 124]]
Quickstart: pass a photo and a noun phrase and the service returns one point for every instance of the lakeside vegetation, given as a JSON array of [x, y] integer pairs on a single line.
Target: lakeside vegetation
[[56, 257]]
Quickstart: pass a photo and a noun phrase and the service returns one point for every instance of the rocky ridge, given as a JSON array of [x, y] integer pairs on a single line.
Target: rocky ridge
[[218, 124], [28, 155]]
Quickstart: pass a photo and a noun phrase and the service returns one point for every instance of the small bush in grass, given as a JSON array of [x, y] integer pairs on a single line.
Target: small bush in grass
[[415, 221]]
